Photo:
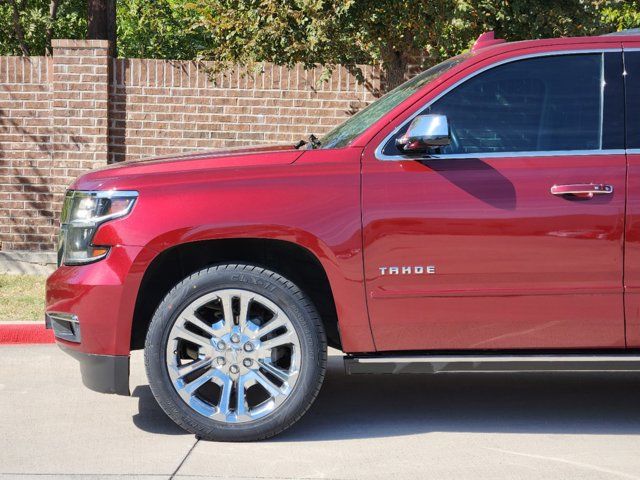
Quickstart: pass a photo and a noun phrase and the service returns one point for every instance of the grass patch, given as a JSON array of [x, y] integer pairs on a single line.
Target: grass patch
[[21, 297]]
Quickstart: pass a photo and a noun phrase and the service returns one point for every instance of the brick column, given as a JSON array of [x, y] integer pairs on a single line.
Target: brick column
[[79, 108]]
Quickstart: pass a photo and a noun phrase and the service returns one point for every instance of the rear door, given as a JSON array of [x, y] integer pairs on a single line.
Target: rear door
[[632, 244], [469, 247]]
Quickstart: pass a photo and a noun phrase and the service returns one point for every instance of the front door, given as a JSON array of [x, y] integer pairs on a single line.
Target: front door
[[482, 245]]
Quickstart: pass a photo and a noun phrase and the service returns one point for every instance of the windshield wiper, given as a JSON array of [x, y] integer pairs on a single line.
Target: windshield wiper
[[312, 140]]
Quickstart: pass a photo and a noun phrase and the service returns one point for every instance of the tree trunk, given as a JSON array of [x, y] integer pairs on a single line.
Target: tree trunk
[[53, 13], [394, 65], [17, 27], [101, 17]]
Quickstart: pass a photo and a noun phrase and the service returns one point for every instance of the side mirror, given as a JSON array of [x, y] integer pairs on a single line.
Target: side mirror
[[425, 131]]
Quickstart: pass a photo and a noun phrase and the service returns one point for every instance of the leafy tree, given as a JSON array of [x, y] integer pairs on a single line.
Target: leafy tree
[[622, 14], [394, 33], [145, 28], [27, 26], [159, 29]]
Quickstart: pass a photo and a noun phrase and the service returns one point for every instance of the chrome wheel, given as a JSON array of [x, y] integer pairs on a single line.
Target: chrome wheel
[[233, 355]]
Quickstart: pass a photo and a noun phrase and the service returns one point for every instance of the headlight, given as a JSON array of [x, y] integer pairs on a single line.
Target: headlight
[[82, 213]]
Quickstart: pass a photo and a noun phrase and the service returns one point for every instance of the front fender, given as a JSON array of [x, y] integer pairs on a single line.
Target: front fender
[[313, 203]]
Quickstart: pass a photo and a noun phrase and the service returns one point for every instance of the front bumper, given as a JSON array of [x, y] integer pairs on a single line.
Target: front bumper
[[99, 300], [103, 373]]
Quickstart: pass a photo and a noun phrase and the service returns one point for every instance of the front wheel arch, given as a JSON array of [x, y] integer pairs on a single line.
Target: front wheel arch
[[286, 258]]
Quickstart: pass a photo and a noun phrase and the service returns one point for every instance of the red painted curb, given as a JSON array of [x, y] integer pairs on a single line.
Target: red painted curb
[[21, 333]]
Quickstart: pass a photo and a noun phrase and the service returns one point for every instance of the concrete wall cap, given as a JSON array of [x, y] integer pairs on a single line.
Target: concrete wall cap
[[25, 262], [65, 43]]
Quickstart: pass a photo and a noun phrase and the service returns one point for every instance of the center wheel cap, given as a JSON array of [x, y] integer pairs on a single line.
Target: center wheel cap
[[239, 354]]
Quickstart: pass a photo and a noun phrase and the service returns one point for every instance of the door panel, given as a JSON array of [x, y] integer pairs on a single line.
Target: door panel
[[632, 252], [516, 267], [632, 241]]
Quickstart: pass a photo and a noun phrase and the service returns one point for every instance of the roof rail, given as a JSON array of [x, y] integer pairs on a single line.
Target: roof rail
[[486, 40]]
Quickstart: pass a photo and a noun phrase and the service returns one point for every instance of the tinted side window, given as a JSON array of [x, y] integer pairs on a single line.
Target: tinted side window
[[632, 89], [550, 103]]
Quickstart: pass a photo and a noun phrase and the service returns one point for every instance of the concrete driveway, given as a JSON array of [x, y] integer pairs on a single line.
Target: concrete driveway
[[375, 427]]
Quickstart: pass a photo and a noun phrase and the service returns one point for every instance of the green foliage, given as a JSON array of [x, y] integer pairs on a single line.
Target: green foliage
[[159, 29], [71, 22], [394, 33], [622, 14]]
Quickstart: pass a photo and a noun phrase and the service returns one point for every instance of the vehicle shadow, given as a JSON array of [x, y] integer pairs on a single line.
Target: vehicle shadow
[[478, 179], [150, 416], [369, 406]]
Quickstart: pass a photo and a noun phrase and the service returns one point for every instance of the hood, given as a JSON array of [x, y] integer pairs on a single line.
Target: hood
[[230, 158]]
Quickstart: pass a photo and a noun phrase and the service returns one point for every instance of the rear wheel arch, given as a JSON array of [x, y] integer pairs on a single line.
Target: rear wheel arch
[[289, 259]]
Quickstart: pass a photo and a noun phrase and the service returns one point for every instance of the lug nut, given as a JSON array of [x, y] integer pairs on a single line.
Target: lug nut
[[221, 345], [247, 362], [220, 361], [248, 347], [235, 338], [234, 369]]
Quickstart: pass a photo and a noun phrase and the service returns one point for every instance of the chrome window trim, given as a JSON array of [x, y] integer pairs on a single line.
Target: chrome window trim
[[541, 153], [633, 151], [379, 155], [602, 85]]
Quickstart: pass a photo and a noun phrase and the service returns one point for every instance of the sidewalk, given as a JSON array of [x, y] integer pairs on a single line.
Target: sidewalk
[[363, 427]]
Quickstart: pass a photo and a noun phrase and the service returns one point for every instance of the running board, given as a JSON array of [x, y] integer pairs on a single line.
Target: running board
[[492, 363]]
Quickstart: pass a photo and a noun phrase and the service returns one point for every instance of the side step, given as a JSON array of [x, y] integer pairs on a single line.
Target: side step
[[492, 363]]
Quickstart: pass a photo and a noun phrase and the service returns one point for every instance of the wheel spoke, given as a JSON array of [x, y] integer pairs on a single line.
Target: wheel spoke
[[191, 387], [279, 373], [267, 384], [227, 311], [278, 341], [185, 370], [200, 324], [245, 300], [241, 407], [269, 327], [225, 396], [189, 336]]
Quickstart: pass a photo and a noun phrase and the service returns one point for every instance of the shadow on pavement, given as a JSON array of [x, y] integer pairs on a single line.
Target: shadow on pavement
[[150, 416], [366, 406]]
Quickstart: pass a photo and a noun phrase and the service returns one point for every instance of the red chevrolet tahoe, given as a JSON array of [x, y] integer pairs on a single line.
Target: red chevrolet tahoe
[[484, 216]]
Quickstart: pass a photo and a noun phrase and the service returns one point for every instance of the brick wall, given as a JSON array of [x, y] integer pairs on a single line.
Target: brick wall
[[160, 107], [26, 153], [80, 109]]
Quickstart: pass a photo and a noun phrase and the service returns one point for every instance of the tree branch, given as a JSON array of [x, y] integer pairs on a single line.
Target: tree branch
[[53, 13], [17, 27]]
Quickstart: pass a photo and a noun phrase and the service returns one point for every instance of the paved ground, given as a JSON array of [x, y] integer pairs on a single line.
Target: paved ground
[[378, 427]]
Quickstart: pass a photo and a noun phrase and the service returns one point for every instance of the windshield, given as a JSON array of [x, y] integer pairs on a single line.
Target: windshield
[[343, 134]]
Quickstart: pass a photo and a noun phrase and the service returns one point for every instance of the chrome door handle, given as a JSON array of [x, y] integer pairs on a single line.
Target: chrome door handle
[[584, 190]]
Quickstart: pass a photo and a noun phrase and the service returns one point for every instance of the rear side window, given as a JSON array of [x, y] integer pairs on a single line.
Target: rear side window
[[549, 103]]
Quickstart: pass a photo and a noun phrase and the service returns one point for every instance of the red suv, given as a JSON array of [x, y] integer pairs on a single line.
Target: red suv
[[484, 216]]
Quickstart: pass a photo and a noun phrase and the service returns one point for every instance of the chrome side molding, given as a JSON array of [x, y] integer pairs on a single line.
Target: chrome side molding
[[434, 364]]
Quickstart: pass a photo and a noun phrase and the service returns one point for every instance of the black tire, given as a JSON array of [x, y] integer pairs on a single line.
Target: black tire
[[288, 297]]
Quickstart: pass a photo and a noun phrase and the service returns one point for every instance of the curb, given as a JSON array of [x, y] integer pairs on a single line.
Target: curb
[[25, 333]]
